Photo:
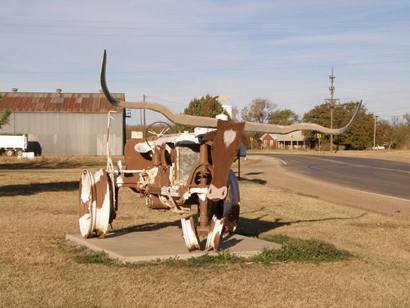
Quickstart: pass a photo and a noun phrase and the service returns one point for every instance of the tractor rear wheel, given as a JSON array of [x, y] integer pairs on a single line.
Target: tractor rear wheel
[[96, 203]]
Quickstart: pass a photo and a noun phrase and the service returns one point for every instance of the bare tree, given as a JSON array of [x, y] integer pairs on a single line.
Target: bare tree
[[235, 114], [259, 110], [407, 118]]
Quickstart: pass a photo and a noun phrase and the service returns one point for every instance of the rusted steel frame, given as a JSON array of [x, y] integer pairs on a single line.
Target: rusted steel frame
[[203, 227], [189, 120], [197, 170]]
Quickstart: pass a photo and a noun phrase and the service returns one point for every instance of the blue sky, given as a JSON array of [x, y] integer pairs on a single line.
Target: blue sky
[[173, 51]]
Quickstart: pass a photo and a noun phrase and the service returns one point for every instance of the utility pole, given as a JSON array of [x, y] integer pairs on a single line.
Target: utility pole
[[374, 132], [332, 102]]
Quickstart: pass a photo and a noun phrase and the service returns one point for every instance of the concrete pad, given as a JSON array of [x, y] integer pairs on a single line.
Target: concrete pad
[[165, 243]]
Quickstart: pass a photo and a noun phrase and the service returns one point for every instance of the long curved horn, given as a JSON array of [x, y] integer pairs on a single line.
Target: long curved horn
[[103, 82], [190, 120], [279, 129]]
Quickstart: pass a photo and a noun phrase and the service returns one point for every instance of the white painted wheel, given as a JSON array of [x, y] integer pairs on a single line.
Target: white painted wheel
[[215, 234], [95, 203], [189, 233]]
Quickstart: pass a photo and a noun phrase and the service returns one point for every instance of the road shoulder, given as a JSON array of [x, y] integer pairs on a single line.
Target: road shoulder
[[270, 169]]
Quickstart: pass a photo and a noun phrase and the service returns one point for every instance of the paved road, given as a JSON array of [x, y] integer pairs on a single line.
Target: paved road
[[371, 175]]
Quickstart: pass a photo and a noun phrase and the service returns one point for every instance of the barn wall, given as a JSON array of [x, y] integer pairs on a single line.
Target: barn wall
[[66, 133]]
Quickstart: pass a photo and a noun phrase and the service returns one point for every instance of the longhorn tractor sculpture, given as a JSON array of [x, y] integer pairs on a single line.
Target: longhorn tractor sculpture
[[176, 172]]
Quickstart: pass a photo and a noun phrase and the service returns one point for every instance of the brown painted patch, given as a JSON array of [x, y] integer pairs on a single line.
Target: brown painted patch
[[223, 155], [100, 189], [133, 159]]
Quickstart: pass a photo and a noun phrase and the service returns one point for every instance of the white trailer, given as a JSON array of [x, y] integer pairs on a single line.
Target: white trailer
[[13, 144]]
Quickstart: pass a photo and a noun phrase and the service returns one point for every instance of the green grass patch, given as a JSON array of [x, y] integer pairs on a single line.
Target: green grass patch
[[223, 257], [98, 257], [300, 250], [292, 250]]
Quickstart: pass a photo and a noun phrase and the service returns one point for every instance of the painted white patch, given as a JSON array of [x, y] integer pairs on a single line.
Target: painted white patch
[[217, 193], [85, 189], [152, 173], [98, 175], [85, 225], [229, 137], [102, 215]]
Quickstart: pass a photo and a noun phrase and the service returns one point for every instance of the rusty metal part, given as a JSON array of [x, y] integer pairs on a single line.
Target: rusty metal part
[[135, 160], [211, 122], [226, 141], [153, 202], [215, 234], [96, 203], [203, 227], [189, 233]]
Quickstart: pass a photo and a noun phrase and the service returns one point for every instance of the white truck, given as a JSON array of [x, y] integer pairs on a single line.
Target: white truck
[[13, 144]]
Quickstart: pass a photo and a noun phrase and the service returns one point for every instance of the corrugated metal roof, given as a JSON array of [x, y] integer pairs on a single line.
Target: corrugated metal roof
[[56, 102]]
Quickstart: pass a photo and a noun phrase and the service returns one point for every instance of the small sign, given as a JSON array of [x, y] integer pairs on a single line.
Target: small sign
[[319, 136], [136, 134]]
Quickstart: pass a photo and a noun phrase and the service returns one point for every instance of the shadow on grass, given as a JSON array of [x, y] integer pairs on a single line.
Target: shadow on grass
[[254, 173], [49, 164], [256, 226], [254, 181], [35, 188]]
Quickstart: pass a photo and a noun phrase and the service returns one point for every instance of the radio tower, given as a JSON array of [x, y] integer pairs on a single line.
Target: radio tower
[[332, 102]]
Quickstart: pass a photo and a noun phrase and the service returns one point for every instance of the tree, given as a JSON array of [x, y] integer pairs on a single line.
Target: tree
[[259, 110], [4, 116], [206, 106], [401, 132], [384, 133], [235, 114], [283, 117], [359, 137], [406, 117]]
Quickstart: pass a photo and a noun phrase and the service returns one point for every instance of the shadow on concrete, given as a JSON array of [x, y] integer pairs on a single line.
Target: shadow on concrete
[[230, 242], [150, 226], [35, 188], [256, 226]]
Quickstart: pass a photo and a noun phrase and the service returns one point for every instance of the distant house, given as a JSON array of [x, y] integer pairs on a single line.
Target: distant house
[[294, 140], [64, 123]]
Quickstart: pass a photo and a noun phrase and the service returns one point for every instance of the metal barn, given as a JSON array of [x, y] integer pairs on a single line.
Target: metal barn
[[64, 123]]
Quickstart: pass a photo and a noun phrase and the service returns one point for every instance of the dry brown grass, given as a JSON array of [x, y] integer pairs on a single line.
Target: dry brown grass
[[38, 266]]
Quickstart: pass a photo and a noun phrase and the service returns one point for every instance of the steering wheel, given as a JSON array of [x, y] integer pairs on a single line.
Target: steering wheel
[[157, 129]]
